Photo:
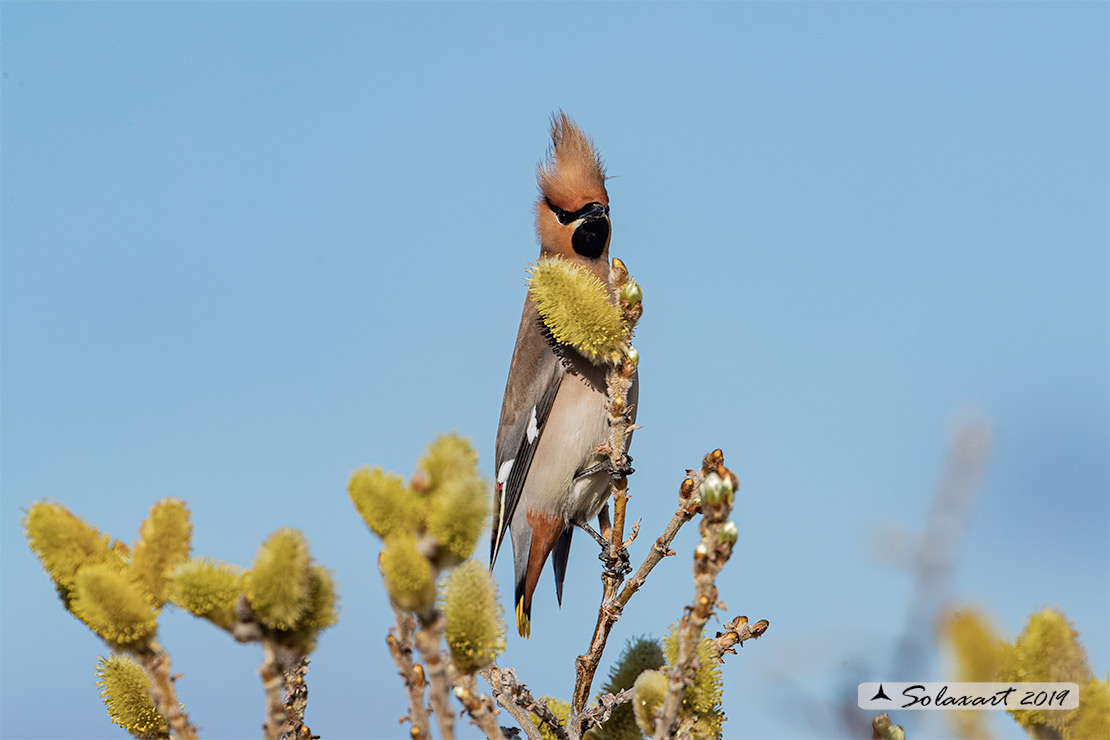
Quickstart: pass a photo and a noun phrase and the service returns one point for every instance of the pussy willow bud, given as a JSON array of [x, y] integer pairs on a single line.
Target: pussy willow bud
[[711, 461], [728, 534], [714, 489], [618, 273], [648, 695], [632, 292]]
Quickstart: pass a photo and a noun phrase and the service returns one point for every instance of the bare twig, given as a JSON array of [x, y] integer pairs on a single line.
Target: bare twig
[[738, 631], [599, 713], [688, 506], [156, 663], [614, 601], [518, 702], [710, 556], [273, 683], [400, 647], [428, 640], [619, 379], [478, 706], [296, 701], [283, 670]]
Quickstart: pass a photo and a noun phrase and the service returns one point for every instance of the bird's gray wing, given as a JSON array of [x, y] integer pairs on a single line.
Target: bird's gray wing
[[534, 378]]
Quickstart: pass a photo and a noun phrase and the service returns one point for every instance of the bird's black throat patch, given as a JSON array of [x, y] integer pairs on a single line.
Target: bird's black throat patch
[[590, 237]]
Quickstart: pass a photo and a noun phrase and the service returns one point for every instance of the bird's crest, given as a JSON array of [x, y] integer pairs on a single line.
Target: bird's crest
[[573, 174]]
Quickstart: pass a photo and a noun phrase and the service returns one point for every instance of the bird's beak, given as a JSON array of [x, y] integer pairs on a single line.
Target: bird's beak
[[598, 211]]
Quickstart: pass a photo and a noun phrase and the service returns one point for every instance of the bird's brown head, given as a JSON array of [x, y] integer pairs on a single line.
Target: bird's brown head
[[572, 213]]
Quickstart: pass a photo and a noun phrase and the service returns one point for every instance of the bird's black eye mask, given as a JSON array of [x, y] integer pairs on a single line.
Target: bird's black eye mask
[[566, 217]]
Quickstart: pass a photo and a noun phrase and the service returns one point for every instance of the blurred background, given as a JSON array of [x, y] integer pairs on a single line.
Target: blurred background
[[251, 247]]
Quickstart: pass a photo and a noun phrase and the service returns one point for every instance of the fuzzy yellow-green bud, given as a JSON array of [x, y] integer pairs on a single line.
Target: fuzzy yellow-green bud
[[322, 605], [648, 695], [639, 655], [976, 651], [448, 458], [475, 621], [209, 589], [458, 499], [277, 583], [702, 699], [123, 688], [321, 611], [164, 542], [1048, 650], [386, 504], [459, 514], [64, 543], [705, 694], [975, 646], [577, 310], [1092, 718], [408, 575], [558, 707], [112, 606]]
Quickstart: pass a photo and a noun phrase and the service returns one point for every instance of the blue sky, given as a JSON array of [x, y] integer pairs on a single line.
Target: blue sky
[[250, 247]]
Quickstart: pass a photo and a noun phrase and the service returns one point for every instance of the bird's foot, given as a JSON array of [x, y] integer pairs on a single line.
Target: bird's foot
[[593, 533], [618, 564], [624, 470], [606, 466]]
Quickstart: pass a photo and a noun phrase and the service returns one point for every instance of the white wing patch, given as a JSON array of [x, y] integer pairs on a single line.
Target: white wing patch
[[502, 479], [503, 472], [533, 430]]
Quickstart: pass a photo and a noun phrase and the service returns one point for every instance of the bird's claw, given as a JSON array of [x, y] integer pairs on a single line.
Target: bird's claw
[[606, 466], [623, 471], [618, 565]]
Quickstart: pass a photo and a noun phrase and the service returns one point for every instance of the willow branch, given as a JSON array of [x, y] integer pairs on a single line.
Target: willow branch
[[428, 640], [283, 669], [400, 647], [688, 506], [737, 632], [709, 558], [614, 601], [273, 683], [156, 662], [619, 381], [599, 713], [479, 707], [296, 700], [518, 702]]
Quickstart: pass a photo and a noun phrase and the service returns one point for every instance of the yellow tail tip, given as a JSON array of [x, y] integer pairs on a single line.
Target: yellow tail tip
[[523, 623]]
